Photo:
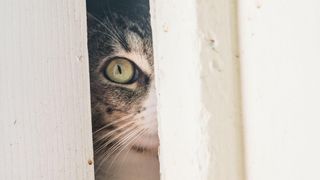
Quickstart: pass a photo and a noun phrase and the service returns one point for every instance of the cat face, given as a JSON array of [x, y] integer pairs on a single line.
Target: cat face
[[122, 83]]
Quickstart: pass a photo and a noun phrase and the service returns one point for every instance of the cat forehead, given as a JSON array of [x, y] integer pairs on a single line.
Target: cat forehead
[[137, 53]]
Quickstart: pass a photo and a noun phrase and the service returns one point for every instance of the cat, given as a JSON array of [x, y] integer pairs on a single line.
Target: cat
[[123, 97]]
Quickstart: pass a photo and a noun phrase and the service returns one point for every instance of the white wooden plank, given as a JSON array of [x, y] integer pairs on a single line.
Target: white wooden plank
[[198, 89], [280, 65], [220, 84], [45, 127]]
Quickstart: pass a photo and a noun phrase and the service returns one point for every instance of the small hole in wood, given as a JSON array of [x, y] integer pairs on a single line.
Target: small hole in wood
[[90, 162]]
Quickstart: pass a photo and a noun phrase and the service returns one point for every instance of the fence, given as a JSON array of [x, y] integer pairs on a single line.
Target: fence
[[219, 119]]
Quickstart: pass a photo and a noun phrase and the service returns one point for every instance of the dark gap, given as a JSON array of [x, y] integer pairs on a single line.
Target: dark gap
[[123, 105]]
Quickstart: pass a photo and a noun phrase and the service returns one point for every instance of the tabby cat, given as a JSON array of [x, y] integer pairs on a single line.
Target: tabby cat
[[122, 90]]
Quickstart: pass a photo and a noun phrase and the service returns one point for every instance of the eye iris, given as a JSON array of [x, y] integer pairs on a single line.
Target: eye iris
[[120, 71]]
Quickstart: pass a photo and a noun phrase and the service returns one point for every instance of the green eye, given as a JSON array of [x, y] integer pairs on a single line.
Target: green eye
[[120, 71]]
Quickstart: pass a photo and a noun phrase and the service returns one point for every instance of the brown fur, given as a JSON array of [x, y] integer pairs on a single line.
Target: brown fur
[[120, 116]]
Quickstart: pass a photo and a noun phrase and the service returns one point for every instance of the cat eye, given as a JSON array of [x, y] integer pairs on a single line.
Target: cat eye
[[120, 70]]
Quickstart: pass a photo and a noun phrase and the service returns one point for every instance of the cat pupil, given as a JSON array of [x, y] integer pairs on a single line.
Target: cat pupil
[[119, 69]]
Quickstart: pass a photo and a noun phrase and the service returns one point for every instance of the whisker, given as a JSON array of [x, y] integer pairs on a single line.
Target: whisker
[[121, 141], [126, 154], [124, 140], [114, 122], [110, 133], [116, 31], [115, 147], [127, 144], [107, 154], [111, 30], [112, 140]]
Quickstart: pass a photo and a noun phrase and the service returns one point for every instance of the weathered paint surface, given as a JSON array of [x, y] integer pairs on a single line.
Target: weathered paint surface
[[198, 89], [45, 129], [220, 84], [182, 149], [279, 42]]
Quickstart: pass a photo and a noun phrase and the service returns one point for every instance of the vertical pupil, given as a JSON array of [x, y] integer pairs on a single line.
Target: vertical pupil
[[119, 69]]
